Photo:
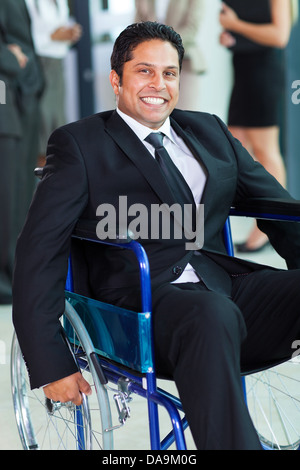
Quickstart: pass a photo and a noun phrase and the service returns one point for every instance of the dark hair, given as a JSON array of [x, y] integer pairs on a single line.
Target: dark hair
[[137, 33]]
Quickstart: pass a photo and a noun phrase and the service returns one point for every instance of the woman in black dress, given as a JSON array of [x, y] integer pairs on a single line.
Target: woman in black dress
[[257, 31]]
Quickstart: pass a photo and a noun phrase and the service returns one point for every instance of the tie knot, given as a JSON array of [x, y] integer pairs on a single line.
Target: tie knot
[[155, 139]]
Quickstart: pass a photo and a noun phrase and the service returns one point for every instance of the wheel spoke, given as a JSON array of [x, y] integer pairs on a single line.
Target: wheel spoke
[[273, 398], [62, 426]]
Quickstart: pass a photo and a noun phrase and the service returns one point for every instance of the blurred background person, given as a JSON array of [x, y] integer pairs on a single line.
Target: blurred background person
[[53, 34], [257, 32], [28, 86], [185, 17], [12, 60], [20, 72]]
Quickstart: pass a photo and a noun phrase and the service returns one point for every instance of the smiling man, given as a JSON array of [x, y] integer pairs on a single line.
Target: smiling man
[[148, 89], [213, 315]]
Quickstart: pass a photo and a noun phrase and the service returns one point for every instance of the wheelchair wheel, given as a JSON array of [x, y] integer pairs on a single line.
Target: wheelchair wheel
[[47, 425], [273, 398]]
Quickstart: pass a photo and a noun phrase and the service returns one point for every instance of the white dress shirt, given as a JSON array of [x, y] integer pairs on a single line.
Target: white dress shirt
[[182, 157], [44, 21]]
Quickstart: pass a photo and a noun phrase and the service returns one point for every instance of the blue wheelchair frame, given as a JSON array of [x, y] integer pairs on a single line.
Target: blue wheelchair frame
[[146, 366], [113, 372]]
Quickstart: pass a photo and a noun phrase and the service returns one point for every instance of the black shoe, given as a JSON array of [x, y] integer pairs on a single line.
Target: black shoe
[[243, 248]]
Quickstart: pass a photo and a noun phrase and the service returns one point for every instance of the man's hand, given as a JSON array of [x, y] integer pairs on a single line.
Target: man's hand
[[68, 389], [20, 56]]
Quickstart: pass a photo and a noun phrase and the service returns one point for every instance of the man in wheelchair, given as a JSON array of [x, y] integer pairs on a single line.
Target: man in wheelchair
[[213, 315]]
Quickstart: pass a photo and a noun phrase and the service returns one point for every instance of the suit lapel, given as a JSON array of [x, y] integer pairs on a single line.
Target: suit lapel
[[135, 150], [128, 142], [199, 152]]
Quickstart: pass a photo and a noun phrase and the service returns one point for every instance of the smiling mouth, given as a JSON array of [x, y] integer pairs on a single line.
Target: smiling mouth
[[155, 101]]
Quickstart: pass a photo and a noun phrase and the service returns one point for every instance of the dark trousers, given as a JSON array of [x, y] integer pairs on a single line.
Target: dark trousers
[[204, 340], [8, 164]]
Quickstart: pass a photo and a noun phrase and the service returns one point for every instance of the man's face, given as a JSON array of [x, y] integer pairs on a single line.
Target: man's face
[[150, 84]]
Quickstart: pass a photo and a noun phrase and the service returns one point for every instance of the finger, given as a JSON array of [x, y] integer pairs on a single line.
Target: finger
[[223, 7], [77, 400], [84, 386]]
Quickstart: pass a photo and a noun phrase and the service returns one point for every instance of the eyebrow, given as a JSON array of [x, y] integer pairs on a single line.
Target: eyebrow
[[146, 64]]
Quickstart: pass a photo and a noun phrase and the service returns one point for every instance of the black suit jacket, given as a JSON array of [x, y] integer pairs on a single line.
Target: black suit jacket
[[9, 69], [93, 162]]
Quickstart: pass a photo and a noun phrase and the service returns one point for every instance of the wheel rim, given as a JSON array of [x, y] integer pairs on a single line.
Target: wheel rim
[[273, 398], [43, 424]]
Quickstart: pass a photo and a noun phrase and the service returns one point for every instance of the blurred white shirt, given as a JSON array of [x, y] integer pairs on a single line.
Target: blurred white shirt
[[47, 16], [161, 8]]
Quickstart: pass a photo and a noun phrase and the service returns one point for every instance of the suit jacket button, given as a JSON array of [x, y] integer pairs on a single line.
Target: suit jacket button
[[177, 270]]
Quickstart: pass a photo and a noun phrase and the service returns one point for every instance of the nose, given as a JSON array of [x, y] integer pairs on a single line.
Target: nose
[[158, 82]]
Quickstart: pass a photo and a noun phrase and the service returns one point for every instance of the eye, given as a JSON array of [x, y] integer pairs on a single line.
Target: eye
[[144, 71], [171, 74]]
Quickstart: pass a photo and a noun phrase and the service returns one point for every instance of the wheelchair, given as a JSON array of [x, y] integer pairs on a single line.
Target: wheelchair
[[114, 349]]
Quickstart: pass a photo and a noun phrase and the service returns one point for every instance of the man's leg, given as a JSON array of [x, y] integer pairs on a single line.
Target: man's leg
[[198, 336], [270, 303]]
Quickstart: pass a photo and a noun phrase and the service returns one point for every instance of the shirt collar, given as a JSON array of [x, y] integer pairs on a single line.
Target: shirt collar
[[143, 131]]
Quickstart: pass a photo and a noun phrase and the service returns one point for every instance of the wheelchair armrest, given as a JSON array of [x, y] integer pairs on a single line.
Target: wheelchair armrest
[[86, 229], [38, 172], [262, 208]]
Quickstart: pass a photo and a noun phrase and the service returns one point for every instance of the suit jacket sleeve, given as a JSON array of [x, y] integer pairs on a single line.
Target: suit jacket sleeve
[[8, 62], [42, 258], [255, 181]]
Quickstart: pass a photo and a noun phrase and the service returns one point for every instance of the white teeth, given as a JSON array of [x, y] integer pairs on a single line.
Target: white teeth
[[153, 100]]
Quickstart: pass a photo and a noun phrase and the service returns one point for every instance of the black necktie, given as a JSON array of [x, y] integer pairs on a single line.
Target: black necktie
[[179, 188], [213, 276]]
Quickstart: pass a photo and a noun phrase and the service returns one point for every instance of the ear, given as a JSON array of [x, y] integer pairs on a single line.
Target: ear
[[115, 81]]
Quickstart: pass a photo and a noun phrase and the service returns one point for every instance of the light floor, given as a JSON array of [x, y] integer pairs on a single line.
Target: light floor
[[9, 439]]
